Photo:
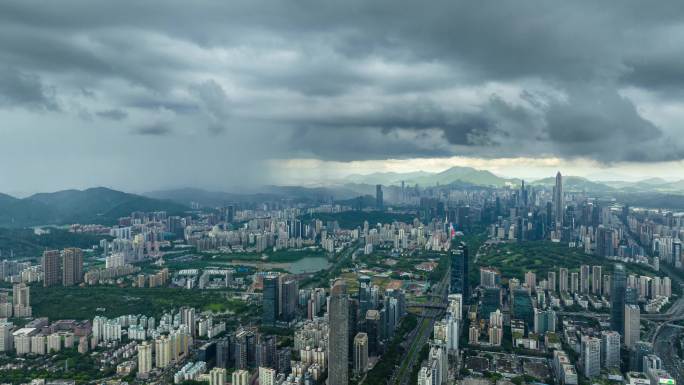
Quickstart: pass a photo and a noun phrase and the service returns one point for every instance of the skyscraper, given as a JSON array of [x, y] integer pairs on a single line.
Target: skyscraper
[[632, 319], [590, 358], [288, 290], [240, 377], [218, 376], [558, 200], [617, 299], [144, 358], [6, 340], [21, 296], [610, 349], [574, 282], [459, 282], [72, 266], [360, 354], [52, 268], [270, 300], [563, 280], [267, 376], [379, 200], [364, 294], [338, 315], [596, 280], [551, 281], [531, 280], [584, 278]]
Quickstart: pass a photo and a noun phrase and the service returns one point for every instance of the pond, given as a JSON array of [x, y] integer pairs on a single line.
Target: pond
[[308, 265]]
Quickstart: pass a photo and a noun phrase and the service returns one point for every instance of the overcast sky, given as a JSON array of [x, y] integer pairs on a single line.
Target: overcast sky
[[156, 94]]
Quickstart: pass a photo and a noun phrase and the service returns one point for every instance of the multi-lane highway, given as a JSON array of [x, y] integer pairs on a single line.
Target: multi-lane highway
[[419, 337]]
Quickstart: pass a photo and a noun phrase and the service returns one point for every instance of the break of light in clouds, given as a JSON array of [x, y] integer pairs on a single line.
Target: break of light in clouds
[[158, 94], [314, 171]]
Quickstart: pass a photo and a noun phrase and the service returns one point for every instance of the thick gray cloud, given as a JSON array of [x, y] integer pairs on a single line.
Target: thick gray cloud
[[349, 80], [22, 89], [114, 114], [156, 129]]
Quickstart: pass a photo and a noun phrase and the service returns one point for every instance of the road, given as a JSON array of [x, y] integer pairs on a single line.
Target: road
[[419, 337], [665, 349]]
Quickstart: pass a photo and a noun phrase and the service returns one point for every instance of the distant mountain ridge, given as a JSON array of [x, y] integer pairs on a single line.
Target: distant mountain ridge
[[99, 205], [574, 183], [455, 174], [484, 178]]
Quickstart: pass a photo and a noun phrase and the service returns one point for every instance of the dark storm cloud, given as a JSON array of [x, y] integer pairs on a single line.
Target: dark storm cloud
[[156, 129], [113, 114], [360, 80], [20, 89]]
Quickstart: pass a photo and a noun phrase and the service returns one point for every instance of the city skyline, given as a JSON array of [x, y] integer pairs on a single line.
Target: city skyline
[[362, 192]]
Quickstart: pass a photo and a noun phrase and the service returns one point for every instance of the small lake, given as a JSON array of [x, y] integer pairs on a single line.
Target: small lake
[[308, 265]]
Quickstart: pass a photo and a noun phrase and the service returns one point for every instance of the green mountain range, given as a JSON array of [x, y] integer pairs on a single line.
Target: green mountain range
[[98, 205]]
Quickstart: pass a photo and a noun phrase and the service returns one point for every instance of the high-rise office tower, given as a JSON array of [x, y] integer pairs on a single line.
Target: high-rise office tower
[[584, 279], [558, 200], [605, 238], [338, 341], [372, 328], [379, 200], [360, 354], [353, 322], [289, 289], [617, 299], [459, 282], [596, 280], [266, 351], [72, 266], [632, 325], [270, 300], [52, 268], [364, 294], [610, 349]]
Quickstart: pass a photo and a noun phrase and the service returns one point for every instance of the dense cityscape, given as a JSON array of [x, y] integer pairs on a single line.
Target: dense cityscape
[[476, 285], [358, 192]]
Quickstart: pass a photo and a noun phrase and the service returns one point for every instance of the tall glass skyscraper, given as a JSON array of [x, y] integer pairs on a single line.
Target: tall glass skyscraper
[[338, 340], [617, 299], [270, 300], [459, 282]]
